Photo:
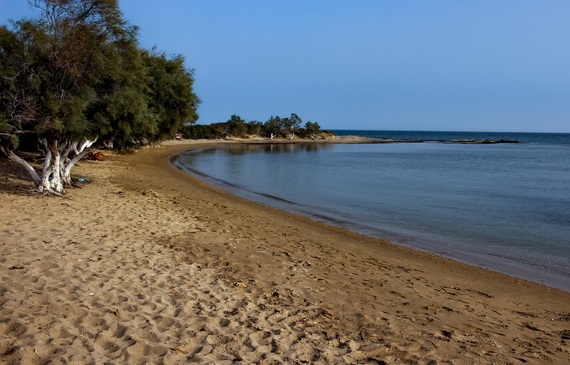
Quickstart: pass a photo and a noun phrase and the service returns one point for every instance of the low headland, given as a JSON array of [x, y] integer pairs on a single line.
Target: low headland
[[325, 136], [147, 264], [362, 139]]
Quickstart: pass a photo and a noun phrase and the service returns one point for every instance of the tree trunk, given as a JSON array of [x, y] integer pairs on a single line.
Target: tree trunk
[[65, 149], [84, 149], [12, 157], [51, 178], [47, 159], [56, 173]]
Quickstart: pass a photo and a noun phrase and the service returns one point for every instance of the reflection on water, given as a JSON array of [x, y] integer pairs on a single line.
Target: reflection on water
[[242, 149]]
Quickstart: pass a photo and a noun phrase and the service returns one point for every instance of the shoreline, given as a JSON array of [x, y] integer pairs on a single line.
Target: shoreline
[[413, 240], [191, 272]]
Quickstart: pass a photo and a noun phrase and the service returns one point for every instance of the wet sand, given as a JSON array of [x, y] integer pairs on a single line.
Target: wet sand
[[147, 264]]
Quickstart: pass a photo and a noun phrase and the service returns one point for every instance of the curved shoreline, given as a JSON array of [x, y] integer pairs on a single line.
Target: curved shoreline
[[162, 267], [326, 225], [332, 227], [433, 244]]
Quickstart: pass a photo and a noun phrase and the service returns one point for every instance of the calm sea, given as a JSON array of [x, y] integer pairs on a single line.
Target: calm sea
[[501, 206]]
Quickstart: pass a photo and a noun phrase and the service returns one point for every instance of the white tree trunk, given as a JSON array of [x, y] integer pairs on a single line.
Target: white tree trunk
[[64, 150], [44, 183], [47, 155], [84, 149], [51, 177], [55, 183], [33, 174], [56, 173], [84, 145]]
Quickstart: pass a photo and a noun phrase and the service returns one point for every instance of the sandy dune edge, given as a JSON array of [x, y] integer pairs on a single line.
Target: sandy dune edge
[[149, 265]]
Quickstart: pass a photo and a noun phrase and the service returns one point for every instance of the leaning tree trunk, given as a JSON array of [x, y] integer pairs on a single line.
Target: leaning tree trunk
[[13, 157], [56, 170], [56, 173], [81, 151], [43, 184]]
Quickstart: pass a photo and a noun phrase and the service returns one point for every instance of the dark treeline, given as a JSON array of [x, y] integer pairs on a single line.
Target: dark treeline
[[274, 127]]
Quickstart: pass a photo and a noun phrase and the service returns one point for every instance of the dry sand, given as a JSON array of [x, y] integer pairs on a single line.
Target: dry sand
[[147, 265]]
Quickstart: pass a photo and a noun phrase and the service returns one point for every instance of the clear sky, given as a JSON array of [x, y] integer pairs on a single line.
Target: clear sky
[[486, 65]]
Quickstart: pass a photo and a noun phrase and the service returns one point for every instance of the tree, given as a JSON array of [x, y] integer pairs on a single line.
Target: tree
[[17, 101], [75, 77], [312, 129], [273, 127], [254, 128], [236, 126], [292, 124], [219, 130], [171, 94], [52, 84], [199, 131]]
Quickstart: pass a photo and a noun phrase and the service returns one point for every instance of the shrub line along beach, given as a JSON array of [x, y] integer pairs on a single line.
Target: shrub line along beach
[[147, 264]]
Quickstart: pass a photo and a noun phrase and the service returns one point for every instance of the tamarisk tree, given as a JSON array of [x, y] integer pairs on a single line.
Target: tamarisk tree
[[312, 129], [273, 126], [76, 77], [291, 125]]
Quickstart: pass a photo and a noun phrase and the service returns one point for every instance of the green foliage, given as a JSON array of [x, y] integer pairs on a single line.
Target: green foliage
[[254, 128], [120, 111], [291, 125], [20, 79], [236, 127], [273, 127], [77, 73], [200, 131], [312, 128], [171, 96]]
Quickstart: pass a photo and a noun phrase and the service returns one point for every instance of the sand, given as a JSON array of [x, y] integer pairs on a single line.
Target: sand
[[147, 265]]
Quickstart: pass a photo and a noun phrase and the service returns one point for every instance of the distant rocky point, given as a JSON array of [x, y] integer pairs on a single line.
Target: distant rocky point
[[362, 139], [483, 141]]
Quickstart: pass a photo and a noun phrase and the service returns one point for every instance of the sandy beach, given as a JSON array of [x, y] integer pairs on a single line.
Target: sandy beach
[[148, 265]]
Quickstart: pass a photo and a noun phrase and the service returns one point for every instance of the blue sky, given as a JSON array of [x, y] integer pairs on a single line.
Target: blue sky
[[368, 64]]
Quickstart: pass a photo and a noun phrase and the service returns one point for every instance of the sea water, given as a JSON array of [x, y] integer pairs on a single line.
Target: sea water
[[501, 206]]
